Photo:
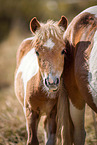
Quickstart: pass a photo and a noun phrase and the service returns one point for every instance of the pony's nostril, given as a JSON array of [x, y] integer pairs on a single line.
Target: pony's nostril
[[57, 81], [50, 83], [46, 82]]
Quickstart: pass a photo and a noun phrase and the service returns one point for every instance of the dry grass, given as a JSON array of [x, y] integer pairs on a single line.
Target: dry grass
[[12, 120]]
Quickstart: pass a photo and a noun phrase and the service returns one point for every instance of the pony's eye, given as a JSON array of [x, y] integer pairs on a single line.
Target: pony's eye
[[63, 51], [37, 53]]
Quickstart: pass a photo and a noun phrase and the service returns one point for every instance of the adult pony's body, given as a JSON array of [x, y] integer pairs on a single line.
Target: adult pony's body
[[80, 69], [38, 77]]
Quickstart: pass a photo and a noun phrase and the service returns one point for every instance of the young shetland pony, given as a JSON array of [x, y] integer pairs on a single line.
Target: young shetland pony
[[38, 77], [80, 73]]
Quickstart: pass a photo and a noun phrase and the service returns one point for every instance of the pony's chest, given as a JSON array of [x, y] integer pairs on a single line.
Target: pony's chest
[[41, 104], [39, 100]]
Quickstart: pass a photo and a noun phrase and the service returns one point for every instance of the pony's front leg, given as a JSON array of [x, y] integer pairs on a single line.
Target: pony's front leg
[[77, 117], [32, 120], [50, 127]]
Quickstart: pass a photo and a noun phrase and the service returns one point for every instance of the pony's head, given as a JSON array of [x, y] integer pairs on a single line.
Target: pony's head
[[49, 46]]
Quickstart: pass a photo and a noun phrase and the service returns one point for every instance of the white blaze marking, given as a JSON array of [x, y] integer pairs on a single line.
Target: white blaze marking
[[92, 75], [29, 68], [92, 10], [49, 43]]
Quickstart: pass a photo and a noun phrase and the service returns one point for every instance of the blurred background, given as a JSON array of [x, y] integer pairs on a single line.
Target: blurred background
[[15, 16]]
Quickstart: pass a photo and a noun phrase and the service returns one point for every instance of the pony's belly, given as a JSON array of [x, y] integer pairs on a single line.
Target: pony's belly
[[92, 75]]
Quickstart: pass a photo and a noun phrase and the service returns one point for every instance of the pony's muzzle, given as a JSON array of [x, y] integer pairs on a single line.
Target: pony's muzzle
[[52, 83]]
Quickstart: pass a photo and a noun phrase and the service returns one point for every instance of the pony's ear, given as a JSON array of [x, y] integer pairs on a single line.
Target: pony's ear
[[34, 25], [63, 22]]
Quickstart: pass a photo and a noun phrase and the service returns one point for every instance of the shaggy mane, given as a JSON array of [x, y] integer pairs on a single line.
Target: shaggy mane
[[47, 30]]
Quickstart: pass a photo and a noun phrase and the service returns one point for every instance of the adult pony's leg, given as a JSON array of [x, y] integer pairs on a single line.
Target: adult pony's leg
[[64, 124], [77, 117], [50, 127], [32, 120]]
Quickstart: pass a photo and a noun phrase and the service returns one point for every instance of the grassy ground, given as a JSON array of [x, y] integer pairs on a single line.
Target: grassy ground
[[12, 120]]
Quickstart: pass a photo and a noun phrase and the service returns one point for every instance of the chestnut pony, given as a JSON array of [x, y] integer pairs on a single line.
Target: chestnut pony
[[80, 69], [38, 76]]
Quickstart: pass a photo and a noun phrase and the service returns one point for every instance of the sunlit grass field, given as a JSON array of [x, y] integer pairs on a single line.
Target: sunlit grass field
[[12, 120]]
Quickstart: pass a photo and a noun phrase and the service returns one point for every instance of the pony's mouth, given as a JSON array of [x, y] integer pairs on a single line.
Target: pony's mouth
[[52, 84], [52, 89]]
